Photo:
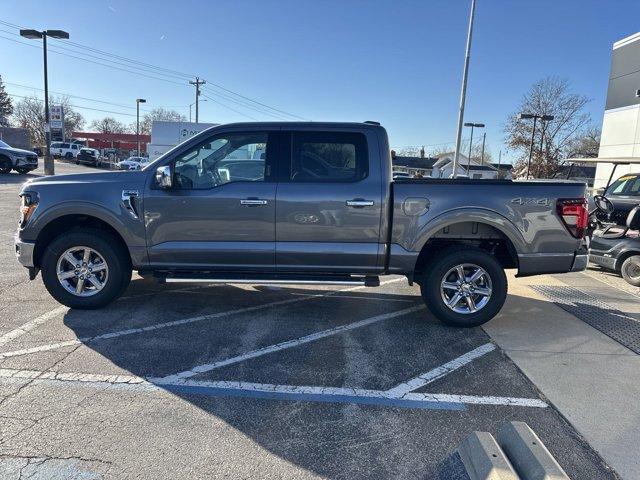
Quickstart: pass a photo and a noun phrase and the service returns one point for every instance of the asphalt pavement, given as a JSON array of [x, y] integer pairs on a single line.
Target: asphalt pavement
[[237, 381]]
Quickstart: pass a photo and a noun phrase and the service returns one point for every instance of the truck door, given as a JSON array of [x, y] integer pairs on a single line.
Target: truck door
[[220, 213], [328, 205]]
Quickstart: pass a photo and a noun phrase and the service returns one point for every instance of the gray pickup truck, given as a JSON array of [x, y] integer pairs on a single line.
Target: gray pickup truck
[[296, 203]]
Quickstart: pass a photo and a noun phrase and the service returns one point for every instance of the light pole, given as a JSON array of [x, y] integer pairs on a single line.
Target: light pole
[[203, 100], [463, 90], [543, 118], [472, 125], [36, 34], [484, 139], [138, 102]]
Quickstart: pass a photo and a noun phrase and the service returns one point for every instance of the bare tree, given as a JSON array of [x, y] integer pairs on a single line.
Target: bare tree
[[108, 125], [553, 140], [29, 113], [586, 145], [6, 107], [157, 115]]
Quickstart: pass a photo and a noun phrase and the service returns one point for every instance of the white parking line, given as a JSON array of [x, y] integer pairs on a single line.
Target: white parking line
[[175, 323], [432, 375], [30, 325], [275, 391], [207, 367]]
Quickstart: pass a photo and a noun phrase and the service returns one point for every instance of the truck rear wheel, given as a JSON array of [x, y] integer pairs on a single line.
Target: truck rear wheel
[[85, 269], [464, 287]]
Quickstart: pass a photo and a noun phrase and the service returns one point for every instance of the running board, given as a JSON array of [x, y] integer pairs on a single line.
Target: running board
[[279, 279]]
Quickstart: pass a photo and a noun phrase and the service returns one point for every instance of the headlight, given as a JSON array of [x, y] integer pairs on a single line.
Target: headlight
[[28, 205]]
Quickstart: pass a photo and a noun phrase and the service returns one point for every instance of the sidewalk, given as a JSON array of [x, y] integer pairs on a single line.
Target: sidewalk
[[591, 379]]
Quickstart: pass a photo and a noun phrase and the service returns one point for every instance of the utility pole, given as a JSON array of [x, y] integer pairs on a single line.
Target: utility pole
[[484, 138], [463, 91], [197, 84], [138, 102]]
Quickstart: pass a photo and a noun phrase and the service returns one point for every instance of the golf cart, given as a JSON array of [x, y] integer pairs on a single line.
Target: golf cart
[[613, 231]]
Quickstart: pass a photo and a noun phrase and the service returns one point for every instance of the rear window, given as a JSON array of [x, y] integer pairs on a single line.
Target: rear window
[[328, 157], [626, 185]]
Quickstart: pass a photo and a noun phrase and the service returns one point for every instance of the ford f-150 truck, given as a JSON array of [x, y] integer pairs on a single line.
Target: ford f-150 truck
[[296, 203]]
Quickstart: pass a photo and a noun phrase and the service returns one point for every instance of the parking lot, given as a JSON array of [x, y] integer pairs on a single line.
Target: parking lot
[[236, 381]]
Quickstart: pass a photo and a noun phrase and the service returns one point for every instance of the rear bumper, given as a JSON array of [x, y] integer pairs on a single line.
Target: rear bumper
[[542, 263]]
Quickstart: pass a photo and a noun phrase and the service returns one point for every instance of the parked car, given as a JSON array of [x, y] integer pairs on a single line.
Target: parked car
[[132, 163], [320, 207], [22, 161], [401, 175], [90, 156], [624, 194], [65, 150], [39, 151]]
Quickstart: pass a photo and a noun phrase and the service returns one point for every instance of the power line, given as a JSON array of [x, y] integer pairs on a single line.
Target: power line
[[230, 108], [76, 106], [246, 105], [77, 96], [49, 49], [102, 52], [276, 112]]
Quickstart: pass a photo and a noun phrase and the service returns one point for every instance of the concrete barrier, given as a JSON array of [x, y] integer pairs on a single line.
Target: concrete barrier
[[528, 455], [484, 459]]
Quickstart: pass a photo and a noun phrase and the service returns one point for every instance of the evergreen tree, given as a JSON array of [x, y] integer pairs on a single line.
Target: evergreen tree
[[6, 108]]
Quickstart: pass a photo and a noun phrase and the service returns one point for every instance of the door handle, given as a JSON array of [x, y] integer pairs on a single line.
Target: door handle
[[359, 203], [253, 201]]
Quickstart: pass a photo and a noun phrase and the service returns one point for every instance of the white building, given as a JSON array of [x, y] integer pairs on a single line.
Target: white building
[[443, 167], [621, 122], [166, 135]]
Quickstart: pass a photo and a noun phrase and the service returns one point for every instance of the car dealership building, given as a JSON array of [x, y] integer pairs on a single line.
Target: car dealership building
[[621, 122]]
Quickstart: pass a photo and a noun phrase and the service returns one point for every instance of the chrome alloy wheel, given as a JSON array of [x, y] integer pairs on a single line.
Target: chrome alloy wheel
[[466, 288], [82, 271]]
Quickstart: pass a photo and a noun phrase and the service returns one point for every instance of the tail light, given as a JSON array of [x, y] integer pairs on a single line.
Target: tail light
[[574, 214]]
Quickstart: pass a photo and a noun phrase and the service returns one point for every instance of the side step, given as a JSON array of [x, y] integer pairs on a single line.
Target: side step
[[263, 279]]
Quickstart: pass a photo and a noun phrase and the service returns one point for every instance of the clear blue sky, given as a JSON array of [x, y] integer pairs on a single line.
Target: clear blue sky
[[397, 62]]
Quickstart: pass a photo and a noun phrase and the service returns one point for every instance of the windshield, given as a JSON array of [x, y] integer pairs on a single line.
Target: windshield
[[625, 185], [4, 145]]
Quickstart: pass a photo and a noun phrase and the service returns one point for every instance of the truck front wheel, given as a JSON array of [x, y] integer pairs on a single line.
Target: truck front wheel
[[85, 268], [464, 287]]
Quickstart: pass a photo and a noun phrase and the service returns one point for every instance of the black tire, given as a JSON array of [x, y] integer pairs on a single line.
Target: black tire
[[22, 171], [5, 165], [630, 270], [68, 155], [115, 256], [447, 260]]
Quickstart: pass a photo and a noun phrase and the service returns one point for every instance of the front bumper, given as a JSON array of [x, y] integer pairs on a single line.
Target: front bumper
[[24, 252]]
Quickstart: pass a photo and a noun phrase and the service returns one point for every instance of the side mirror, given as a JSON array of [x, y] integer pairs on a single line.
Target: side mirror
[[164, 177]]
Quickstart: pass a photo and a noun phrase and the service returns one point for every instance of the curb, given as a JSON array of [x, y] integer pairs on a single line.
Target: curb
[[483, 458], [527, 453]]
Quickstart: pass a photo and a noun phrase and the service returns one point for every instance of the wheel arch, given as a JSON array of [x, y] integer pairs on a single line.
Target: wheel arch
[[484, 229], [65, 222]]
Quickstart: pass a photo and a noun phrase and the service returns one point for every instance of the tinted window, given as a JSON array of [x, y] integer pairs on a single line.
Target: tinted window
[[328, 157], [232, 157], [64, 145], [623, 185]]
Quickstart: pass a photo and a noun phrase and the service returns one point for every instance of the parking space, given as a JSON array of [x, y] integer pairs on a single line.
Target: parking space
[[242, 381]]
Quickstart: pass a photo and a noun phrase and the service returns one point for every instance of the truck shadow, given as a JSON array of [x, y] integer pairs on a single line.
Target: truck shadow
[[331, 440]]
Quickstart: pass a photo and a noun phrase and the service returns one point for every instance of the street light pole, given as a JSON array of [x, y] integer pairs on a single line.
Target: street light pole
[[484, 139], [472, 125], [463, 91], [33, 35], [49, 168], [542, 118], [138, 102]]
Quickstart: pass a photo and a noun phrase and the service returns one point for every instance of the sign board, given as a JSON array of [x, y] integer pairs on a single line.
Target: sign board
[[56, 122], [173, 133]]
